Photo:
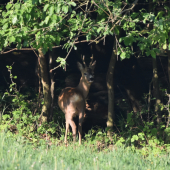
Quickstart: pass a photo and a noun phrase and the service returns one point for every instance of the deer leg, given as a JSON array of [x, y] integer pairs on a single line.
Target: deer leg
[[73, 126], [67, 127], [81, 117]]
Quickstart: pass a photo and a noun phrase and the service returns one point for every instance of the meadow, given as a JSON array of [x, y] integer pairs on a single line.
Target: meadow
[[16, 152]]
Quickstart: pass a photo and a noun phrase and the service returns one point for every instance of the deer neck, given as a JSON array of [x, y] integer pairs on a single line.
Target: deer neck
[[84, 87]]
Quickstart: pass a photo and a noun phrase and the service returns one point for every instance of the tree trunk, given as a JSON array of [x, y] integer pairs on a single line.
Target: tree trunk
[[168, 120], [52, 84], [133, 101], [46, 87], [156, 94], [39, 82], [168, 51], [110, 87]]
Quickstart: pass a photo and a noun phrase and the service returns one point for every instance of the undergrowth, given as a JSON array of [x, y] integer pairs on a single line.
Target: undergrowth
[[20, 118], [21, 115]]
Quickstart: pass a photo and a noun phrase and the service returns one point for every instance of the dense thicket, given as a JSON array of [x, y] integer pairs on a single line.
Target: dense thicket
[[130, 41]]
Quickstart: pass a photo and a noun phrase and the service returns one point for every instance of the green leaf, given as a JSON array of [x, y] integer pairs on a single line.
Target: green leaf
[[88, 37], [123, 55], [58, 8], [51, 10], [41, 23], [45, 7], [19, 45], [33, 1], [28, 17], [160, 14], [5, 43], [134, 15], [25, 44], [5, 117], [61, 61], [65, 9], [17, 6], [165, 46], [106, 32], [75, 48], [8, 6], [153, 54], [14, 19], [126, 41], [116, 30], [58, 40], [72, 3], [99, 29], [54, 18], [134, 137], [5, 26], [148, 53], [154, 131], [161, 25], [71, 35], [44, 50], [47, 19], [132, 24], [12, 39], [121, 39]]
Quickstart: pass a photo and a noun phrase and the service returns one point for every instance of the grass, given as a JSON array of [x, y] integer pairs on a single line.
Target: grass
[[18, 153]]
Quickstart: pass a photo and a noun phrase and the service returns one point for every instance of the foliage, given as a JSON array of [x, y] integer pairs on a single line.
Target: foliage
[[20, 115], [44, 24], [150, 31], [138, 132], [33, 23]]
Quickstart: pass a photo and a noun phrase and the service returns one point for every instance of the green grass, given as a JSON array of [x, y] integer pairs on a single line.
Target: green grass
[[18, 153]]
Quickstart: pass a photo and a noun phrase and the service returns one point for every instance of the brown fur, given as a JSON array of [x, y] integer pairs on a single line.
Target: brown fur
[[72, 100]]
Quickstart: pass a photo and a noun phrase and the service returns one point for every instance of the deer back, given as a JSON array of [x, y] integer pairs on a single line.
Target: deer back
[[74, 97]]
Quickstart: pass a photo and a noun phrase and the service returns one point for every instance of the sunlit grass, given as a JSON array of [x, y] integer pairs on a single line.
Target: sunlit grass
[[18, 153]]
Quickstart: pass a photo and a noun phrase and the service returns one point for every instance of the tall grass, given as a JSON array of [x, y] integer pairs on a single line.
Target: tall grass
[[18, 153]]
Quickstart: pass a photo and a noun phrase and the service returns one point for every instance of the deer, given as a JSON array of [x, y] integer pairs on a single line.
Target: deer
[[72, 100]]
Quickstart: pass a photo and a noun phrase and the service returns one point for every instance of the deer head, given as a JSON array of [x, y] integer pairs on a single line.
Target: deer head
[[87, 72]]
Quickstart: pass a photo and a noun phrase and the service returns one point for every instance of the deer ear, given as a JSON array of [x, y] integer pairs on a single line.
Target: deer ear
[[92, 66], [80, 66]]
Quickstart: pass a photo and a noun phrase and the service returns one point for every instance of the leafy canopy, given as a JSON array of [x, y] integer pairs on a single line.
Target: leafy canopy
[[44, 24]]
